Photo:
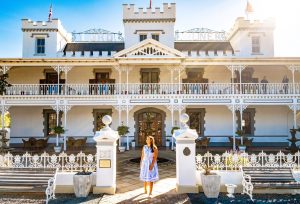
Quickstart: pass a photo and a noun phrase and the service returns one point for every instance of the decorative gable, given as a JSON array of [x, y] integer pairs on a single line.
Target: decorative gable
[[149, 48]]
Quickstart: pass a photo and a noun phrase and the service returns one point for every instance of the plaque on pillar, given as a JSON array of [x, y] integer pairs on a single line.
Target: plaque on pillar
[[106, 158]]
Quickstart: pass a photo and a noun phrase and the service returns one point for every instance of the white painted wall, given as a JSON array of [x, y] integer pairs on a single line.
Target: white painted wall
[[26, 121], [269, 121]]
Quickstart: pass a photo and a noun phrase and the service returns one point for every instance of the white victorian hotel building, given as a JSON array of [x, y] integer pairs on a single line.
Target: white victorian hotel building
[[148, 78]]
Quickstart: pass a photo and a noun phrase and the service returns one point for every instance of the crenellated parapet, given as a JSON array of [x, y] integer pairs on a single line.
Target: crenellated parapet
[[130, 13], [45, 26], [242, 23]]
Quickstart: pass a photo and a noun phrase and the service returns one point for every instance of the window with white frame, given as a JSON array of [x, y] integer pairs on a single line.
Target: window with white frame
[[155, 37], [255, 44], [40, 46], [143, 37]]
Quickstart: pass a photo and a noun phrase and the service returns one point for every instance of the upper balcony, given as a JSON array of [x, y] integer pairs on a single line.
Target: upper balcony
[[155, 89]]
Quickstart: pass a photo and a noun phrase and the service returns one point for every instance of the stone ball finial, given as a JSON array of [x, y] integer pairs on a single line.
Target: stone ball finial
[[184, 118], [106, 120]]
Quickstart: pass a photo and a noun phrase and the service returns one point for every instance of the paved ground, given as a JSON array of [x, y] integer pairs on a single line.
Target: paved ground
[[130, 188]]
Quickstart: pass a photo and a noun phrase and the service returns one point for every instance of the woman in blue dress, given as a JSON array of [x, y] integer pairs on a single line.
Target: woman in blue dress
[[149, 169]]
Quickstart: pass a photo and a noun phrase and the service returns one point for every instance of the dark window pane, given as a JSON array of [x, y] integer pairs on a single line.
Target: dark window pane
[[143, 37], [155, 37]]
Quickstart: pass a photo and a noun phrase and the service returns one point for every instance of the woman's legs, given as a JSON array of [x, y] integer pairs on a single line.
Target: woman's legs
[[145, 187], [151, 187]]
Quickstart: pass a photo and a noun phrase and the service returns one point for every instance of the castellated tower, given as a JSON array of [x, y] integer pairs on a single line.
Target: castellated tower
[[142, 24], [43, 39]]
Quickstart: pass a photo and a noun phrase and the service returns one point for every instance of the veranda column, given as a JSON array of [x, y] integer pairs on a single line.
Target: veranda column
[[295, 107], [66, 69], [56, 109], [233, 108], [128, 109], [238, 68], [171, 108], [119, 109], [172, 79], [180, 108], [127, 70], [118, 69], [58, 70], [185, 157], [106, 157], [293, 69], [242, 108], [66, 109]]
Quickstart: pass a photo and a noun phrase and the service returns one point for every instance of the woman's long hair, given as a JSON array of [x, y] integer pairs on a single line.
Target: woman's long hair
[[152, 143]]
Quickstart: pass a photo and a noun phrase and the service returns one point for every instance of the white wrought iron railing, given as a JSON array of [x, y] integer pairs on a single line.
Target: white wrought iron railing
[[267, 88], [153, 89], [64, 162], [233, 161]]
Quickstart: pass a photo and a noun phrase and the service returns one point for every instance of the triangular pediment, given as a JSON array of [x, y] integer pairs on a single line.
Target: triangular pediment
[[149, 49]]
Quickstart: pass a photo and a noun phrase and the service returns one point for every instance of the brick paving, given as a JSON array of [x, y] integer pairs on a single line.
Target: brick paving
[[130, 189]]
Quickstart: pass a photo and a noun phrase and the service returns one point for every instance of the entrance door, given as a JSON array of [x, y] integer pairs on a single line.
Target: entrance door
[[149, 124]]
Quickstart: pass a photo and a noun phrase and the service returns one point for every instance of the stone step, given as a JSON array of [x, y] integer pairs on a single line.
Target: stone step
[[26, 175], [30, 181], [18, 188], [28, 169]]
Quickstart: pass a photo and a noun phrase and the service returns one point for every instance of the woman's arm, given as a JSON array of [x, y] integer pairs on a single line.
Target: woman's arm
[[142, 156], [154, 159]]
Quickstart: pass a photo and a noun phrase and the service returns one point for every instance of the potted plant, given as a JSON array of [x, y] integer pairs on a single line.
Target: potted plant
[[211, 183], [122, 130], [240, 133], [82, 183], [133, 143], [58, 130]]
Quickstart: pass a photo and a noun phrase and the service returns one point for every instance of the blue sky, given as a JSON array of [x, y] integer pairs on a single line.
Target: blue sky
[[80, 15]]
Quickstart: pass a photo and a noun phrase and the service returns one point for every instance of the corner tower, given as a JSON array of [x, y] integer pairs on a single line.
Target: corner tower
[[43, 39], [250, 37], [142, 24]]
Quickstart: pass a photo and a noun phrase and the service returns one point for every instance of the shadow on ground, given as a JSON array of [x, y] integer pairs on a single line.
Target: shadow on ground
[[244, 199]]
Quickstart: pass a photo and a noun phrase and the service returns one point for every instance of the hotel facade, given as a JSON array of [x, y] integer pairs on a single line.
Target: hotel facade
[[150, 75]]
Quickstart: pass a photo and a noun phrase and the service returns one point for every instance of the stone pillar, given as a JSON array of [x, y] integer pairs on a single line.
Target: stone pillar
[[106, 140], [185, 158]]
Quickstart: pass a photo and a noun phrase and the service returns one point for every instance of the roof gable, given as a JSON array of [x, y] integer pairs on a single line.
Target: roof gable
[[149, 48]]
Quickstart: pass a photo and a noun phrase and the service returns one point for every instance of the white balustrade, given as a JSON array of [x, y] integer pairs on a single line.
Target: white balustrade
[[77, 162], [234, 160], [267, 88], [153, 88], [91, 89], [64, 162], [34, 89], [206, 88]]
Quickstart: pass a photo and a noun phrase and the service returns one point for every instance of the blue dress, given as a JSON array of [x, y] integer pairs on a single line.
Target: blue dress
[[146, 175]]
